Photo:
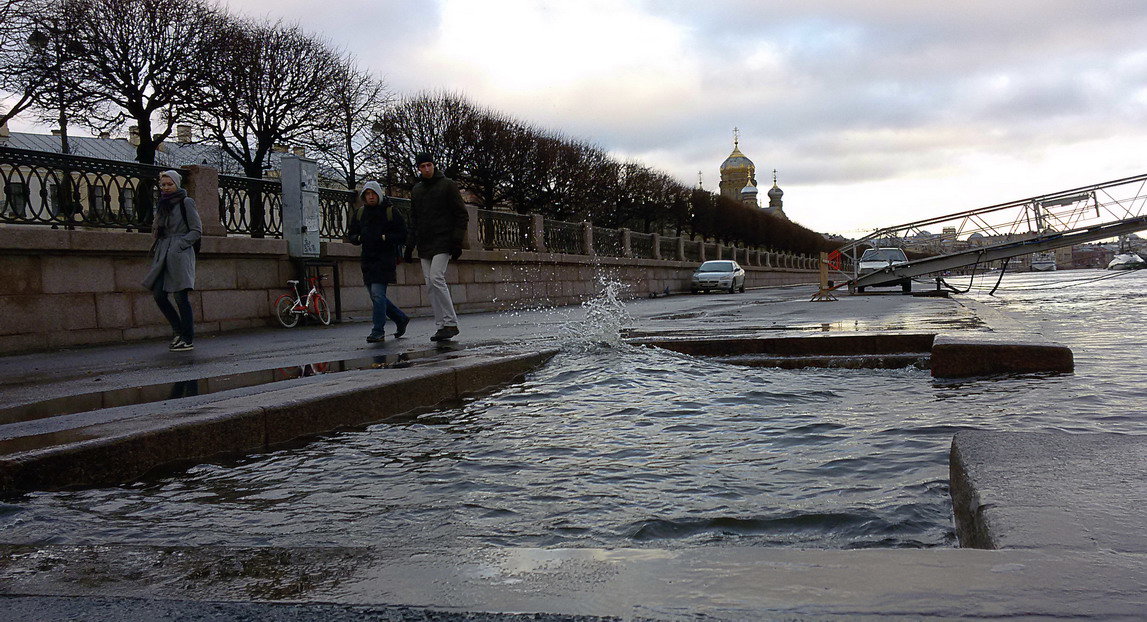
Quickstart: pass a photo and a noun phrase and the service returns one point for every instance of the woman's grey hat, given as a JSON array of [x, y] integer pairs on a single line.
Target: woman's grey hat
[[176, 177]]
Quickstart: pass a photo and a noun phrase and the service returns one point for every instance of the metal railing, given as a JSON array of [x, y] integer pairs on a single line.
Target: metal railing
[[641, 245], [503, 230], [692, 250], [251, 207], [564, 237], [608, 242], [43, 188]]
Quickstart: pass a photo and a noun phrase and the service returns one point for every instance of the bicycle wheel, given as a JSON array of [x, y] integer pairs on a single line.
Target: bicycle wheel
[[322, 310], [283, 307]]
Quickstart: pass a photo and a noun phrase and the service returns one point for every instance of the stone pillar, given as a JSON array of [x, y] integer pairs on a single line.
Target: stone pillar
[[472, 239], [587, 238], [626, 244], [656, 245], [202, 185], [680, 248], [537, 233], [702, 249]]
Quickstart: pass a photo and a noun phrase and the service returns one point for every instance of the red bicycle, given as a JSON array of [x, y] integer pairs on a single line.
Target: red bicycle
[[289, 309]]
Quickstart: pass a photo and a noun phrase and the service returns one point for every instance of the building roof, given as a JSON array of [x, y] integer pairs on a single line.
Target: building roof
[[737, 161], [170, 153]]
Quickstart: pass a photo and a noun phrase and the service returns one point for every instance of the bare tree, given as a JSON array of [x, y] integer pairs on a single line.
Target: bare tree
[[358, 100], [55, 63], [20, 81], [147, 58], [430, 122], [491, 139], [273, 88]]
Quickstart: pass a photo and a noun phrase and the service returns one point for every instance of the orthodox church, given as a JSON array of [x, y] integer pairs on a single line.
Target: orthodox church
[[739, 182]]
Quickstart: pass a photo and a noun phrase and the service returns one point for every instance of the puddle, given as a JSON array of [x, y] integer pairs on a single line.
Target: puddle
[[129, 396]]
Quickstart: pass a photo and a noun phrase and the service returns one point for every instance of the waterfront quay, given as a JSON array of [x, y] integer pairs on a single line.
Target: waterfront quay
[[1054, 516]]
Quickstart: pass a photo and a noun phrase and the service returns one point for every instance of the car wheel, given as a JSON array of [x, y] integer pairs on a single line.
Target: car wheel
[[859, 290], [695, 291], [732, 288], [906, 287], [742, 287]]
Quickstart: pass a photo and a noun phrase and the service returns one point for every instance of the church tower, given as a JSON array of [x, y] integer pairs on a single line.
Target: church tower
[[737, 172], [776, 205]]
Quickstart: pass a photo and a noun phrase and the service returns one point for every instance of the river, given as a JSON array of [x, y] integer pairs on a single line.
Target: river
[[620, 446]]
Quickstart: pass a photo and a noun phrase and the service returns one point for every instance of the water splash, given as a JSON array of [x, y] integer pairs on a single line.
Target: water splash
[[605, 315]]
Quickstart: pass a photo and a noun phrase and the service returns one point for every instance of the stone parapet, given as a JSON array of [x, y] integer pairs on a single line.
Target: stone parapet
[[69, 288]]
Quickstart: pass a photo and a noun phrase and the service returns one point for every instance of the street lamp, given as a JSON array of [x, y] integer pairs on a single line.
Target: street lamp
[[40, 42]]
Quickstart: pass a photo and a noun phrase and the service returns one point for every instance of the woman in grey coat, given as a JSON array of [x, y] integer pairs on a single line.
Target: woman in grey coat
[[176, 227]]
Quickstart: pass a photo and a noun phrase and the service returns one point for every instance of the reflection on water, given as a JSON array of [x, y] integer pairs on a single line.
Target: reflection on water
[[622, 446]]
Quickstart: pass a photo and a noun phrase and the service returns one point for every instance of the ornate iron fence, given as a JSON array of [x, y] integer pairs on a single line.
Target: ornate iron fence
[[641, 245], [608, 242], [563, 237], [51, 189], [251, 206], [42, 188], [334, 210], [503, 230], [692, 250]]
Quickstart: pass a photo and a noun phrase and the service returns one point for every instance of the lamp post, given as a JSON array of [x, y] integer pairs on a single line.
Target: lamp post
[[40, 42], [53, 48]]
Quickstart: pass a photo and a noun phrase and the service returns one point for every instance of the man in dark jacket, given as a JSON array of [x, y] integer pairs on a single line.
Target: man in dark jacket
[[380, 230], [438, 218]]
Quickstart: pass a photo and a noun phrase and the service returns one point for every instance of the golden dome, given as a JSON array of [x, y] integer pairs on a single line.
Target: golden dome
[[737, 162]]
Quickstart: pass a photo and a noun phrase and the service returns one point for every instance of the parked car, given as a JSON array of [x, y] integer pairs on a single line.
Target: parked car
[[877, 259], [721, 274]]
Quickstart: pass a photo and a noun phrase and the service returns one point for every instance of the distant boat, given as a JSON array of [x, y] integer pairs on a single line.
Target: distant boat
[[1127, 261], [1043, 262]]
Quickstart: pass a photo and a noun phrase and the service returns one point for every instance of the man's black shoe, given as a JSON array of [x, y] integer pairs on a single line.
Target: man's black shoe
[[400, 327], [445, 333], [373, 338]]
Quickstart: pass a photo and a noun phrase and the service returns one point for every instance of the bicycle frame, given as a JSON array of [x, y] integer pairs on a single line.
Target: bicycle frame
[[301, 306], [292, 308]]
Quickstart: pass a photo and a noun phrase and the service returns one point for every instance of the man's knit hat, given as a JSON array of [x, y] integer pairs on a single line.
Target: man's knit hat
[[421, 157]]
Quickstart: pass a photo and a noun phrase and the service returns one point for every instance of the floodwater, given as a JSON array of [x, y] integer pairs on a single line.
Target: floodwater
[[618, 446]]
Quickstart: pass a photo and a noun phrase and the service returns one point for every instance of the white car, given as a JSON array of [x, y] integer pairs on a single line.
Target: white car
[[721, 274], [877, 259]]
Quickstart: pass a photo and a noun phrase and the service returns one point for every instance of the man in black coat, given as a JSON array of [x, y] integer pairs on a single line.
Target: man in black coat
[[438, 218], [381, 232]]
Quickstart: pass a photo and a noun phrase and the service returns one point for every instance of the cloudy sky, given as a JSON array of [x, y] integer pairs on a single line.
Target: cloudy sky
[[873, 113]]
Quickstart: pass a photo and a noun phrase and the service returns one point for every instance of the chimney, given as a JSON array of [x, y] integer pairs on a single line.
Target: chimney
[[160, 145], [105, 135], [55, 132], [183, 133], [4, 132], [299, 151], [279, 148], [133, 135]]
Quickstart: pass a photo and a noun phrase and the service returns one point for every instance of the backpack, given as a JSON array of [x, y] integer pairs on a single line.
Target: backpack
[[183, 209], [389, 212]]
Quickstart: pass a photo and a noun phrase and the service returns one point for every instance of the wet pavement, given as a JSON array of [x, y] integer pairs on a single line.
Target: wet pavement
[[767, 312]]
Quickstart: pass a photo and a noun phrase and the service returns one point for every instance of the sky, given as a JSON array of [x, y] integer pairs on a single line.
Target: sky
[[873, 113]]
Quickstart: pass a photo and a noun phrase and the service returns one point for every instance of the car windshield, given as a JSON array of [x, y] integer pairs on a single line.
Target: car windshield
[[716, 266], [883, 254]]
